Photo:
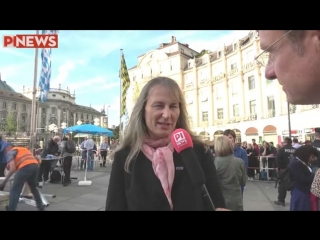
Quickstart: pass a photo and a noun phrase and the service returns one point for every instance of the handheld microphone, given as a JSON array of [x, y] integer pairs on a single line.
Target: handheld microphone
[[182, 143]]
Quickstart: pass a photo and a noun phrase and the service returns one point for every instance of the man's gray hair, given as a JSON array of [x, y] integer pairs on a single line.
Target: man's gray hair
[[56, 138]]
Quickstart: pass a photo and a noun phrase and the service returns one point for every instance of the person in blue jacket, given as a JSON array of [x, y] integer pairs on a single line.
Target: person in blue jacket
[[239, 152]]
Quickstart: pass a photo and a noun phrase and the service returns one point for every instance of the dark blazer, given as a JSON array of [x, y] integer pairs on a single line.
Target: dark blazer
[[141, 190], [301, 175]]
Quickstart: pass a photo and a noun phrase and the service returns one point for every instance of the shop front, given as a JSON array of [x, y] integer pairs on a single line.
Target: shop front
[[294, 134], [309, 134]]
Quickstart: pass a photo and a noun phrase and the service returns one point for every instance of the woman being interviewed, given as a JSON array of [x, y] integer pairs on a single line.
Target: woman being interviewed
[[147, 174]]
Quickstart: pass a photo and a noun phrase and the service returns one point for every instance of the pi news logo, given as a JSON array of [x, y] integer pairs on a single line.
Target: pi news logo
[[180, 139]]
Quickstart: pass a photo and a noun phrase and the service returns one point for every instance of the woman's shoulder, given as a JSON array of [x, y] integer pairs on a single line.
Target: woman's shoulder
[[122, 152]]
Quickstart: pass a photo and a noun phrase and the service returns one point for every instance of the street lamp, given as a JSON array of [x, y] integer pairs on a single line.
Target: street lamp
[[107, 123], [96, 123], [63, 126], [289, 120], [79, 122], [52, 127]]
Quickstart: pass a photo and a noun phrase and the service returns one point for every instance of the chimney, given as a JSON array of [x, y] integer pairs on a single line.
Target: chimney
[[172, 39]]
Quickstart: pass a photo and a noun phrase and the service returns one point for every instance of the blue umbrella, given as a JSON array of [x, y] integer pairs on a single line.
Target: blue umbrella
[[89, 129]]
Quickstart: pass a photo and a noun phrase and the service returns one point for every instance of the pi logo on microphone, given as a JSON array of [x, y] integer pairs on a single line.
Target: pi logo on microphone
[[180, 139]]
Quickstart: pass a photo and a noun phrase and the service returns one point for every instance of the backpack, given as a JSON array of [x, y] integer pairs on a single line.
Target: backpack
[[70, 147], [285, 179], [55, 176]]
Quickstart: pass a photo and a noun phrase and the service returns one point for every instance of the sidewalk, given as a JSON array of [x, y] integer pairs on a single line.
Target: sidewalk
[[258, 196]]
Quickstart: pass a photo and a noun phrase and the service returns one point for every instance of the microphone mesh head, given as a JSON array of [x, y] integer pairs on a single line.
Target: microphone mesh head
[[181, 140]]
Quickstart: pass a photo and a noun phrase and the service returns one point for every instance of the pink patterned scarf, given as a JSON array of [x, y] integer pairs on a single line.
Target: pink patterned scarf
[[160, 153]]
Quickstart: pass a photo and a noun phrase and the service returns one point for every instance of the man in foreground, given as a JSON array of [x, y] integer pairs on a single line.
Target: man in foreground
[[293, 57], [26, 168]]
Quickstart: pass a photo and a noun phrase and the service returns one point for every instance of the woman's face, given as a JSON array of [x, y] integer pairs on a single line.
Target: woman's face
[[161, 112]]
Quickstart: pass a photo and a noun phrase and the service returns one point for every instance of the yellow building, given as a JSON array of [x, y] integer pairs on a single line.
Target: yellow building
[[227, 89]]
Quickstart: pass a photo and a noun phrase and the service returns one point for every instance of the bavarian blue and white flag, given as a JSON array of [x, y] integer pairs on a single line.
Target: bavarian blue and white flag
[[45, 75]]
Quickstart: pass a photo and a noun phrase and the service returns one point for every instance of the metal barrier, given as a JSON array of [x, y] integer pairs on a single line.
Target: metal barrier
[[266, 164]]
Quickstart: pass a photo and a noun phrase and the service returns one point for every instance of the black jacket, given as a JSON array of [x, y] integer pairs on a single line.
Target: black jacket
[[141, 190], [284, 155], [316, 144], [50, 148]]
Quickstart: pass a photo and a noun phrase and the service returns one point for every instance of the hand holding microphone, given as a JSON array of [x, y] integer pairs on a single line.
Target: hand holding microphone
[[182, 143]]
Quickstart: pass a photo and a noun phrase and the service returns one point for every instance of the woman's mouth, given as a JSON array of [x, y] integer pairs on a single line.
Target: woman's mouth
[[164, 124]]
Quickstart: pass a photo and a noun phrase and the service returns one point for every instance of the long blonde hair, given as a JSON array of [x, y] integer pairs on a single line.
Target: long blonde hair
[[137, 128]]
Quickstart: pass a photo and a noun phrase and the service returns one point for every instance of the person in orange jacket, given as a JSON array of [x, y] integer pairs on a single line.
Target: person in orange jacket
[[26, 167]]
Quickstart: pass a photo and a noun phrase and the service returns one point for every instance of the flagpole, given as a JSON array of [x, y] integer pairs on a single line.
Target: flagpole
[[34, 103], [120, 127]]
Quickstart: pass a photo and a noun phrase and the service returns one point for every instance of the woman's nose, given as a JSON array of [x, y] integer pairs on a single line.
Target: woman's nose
[[166, 112]]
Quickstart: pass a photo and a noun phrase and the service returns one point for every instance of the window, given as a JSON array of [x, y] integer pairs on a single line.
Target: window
[[250, 56], [87, 116], [182, 50], [234, 88], [233, 64], [251, 83], [191, 54], [14, 106], [271, 106], [24, 119], [220, 113], [219, 54], [189, 65], [253, 107], [53, 110], [204, 116], [24, 108], [236, 110], [4, 106], [219, 92], [204, 60], [235, 46]]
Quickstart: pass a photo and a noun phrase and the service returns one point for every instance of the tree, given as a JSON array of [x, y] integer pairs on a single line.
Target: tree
[[115, 132], [10, 125]]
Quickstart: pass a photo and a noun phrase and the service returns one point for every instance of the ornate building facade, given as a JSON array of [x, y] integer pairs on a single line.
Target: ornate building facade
[[226, 89], [15, 103], [59, 109]]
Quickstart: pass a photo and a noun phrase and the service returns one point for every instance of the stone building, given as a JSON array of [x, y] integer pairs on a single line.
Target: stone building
[[59, 109]]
